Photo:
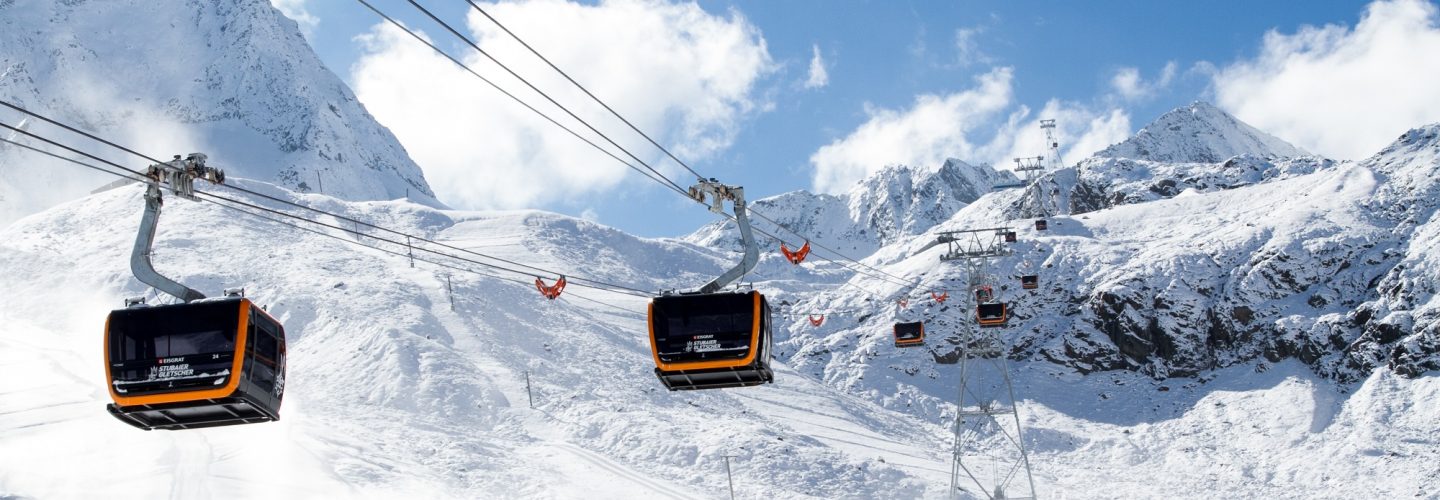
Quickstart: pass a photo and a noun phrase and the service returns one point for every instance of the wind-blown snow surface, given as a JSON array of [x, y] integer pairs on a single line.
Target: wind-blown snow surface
[[233, 79], [393, 394]]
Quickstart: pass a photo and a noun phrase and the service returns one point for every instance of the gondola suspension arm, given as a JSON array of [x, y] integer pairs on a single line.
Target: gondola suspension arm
[[718, 194], [180, 175]]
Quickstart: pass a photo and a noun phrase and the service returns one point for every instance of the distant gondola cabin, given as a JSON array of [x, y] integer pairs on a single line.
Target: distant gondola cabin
[[991, 314], [1030, 281], [909, 334]]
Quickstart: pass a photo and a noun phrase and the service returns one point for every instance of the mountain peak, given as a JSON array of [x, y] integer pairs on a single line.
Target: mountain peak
[[1199, 133], [893, 202], [238, 82]]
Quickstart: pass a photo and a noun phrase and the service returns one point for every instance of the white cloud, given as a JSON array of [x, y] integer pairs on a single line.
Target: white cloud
[[818, 76], [1081, 131], [1340, 92], [967, 49], [933, 129], [938, 127], [295, 10], [684, 76], [1128, 84]]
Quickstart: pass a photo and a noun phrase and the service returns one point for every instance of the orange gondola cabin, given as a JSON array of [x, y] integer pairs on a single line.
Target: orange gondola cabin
[[711, 340], [909, 334], [991, 314], [201, 364], [1030, 281]]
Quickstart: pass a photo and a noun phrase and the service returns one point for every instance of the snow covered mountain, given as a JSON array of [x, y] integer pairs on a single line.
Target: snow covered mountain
[[234, 79], [1199, 133], [887, 206], [1207, 339], [392, 392], [1333, 268], [1328, 267], [1197, 147], [395, 392]]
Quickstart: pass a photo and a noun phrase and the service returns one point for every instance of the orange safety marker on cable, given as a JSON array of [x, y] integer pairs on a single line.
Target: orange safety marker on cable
[[817, 321], [550, 292], [797, 256], [940, 298]]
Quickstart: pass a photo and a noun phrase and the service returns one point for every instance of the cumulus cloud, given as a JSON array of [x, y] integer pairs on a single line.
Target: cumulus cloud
[[1342, 92], [1128, 85], [978, 125], [296, 11], [683, 75], [935, 127], [818, 76], [1081, 131]]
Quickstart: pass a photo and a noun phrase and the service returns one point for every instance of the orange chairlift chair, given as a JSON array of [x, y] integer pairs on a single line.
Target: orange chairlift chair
[[796, 256], [551, 292], [1030, 281]]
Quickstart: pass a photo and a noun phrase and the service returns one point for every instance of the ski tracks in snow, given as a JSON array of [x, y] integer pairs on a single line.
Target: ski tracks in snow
[[193, 455], [620, 470]]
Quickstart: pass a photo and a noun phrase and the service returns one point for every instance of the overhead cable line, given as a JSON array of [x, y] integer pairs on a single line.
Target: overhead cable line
[[585, 90], [894, 279], [497, 87], [901, 281], [216, 200], [135, 175], [647, 137], [589, 282], [542, 93], [527, 284], [665, 182]]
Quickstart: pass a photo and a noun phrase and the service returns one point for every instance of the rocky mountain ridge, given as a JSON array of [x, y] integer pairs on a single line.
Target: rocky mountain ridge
[[895, 202]]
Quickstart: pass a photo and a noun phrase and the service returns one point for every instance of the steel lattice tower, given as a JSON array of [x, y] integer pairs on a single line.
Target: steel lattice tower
[[986, 412]]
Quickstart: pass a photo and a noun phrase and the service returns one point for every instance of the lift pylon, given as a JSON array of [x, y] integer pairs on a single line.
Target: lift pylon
[[974, 243], [987, 432], [1052, 152]]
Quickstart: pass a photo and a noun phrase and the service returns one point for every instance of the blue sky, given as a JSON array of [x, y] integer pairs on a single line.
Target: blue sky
[[893, 70]]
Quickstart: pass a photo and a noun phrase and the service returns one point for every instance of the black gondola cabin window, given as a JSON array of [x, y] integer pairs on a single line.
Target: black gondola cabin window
[[189, 348], [704, 327]]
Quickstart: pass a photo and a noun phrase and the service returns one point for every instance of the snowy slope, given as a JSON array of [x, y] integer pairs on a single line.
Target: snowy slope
[[234, 79], [1328, 275], [393, 394], [1332, 268]]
